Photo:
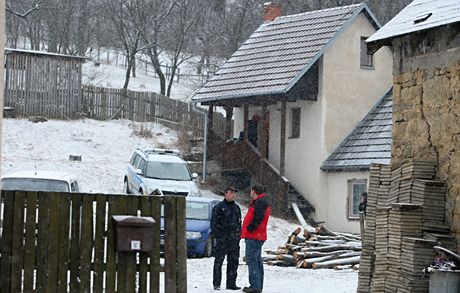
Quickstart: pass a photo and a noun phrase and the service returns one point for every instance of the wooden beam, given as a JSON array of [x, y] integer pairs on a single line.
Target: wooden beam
[[283, 139], [228, 120], [264, 131], [246, 118]]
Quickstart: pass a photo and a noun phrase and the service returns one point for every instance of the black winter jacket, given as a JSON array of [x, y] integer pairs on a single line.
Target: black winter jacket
[[226, 220]]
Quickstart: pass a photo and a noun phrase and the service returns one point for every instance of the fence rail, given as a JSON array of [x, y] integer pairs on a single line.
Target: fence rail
[[65, 242]]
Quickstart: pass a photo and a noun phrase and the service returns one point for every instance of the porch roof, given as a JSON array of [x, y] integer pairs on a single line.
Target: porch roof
[[279, 53], [369, 142], [417, 16]]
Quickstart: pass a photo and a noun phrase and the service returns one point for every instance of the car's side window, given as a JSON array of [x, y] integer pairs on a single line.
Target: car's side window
[[142, 164], [75, 186], [133, 158], [136, 161], [72, 187]]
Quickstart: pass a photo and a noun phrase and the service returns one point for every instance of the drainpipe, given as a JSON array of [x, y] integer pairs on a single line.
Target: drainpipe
[[205, 142]]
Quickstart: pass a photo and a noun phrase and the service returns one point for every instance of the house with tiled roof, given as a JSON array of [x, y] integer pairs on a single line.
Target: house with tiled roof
[[310, 79]]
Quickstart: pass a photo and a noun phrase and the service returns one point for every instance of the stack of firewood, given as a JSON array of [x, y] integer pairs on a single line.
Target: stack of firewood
[[319, 249]]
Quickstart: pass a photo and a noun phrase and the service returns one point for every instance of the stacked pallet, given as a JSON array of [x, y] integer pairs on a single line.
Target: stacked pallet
[[381, 250], [416, 254], [431, 194], [405, 220], [412, 207], [379, 185]]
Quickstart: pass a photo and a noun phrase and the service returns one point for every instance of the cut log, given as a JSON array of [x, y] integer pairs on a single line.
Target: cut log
[[279, 263], [342, 267], [308, 262], [331, 263], [333, 248]]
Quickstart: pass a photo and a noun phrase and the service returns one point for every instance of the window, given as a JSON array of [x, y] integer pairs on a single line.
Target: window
[[355, 188], [367, 60], [295, 123]]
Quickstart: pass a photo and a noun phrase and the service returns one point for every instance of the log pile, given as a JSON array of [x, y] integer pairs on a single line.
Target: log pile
[[406, 220], [317, 250]]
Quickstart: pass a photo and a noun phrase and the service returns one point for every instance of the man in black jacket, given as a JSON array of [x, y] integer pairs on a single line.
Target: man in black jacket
[[226, 230]]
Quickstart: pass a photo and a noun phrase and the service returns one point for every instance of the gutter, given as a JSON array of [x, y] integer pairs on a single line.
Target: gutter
[[205, 135]]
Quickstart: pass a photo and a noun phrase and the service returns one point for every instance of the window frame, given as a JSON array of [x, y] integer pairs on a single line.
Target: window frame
[[370, 64], [296, 115], [350, 202]]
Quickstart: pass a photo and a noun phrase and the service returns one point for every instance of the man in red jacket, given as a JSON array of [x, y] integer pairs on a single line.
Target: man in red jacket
[[254, 231]]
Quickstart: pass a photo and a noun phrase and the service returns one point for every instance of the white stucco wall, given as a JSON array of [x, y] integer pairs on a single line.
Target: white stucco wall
[[337, 185], [348, 90]]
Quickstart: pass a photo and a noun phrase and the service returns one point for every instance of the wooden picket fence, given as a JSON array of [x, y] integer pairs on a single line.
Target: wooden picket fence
[[64, 242]]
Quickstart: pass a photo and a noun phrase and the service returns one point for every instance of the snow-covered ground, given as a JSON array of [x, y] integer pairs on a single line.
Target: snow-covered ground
[[105, 148]]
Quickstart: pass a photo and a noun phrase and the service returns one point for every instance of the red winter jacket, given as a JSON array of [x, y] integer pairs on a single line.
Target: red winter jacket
[[255, 221]]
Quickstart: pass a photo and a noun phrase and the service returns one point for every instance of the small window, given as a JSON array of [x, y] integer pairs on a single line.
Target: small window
[[74, 186], [142, 165], [367, 60], [355, 188], [136, 161], [133, 158], [295, 123]]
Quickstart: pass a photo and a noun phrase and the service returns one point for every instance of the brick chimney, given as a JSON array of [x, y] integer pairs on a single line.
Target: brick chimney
[[271, 11]]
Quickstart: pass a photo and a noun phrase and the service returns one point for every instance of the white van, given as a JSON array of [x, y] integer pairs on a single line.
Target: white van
[[40, 181]]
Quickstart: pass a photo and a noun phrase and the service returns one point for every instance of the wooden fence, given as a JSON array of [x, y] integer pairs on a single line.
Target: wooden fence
[[106, 103], [64, 242]]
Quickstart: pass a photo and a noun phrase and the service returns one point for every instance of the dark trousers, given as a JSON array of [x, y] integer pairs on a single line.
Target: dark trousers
[[230, 248], [255, 264]]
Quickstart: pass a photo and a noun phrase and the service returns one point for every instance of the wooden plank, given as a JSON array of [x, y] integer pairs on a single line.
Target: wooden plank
[[42, 241], [64, 241], [111, 253], [86, 242], [155, 267], [29, 244], [132, 208], [75, 243], [170, 244], [53, 242], [101, 200], [6, 253], [122, 256], [181, 246], [17, 242], [145, 207]]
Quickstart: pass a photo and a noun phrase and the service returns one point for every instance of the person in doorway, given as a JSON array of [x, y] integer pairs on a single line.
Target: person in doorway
[[252, 129], [254, 231], [226, 230], [363, 203]]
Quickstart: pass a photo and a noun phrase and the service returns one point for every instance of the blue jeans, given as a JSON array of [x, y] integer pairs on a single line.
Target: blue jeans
[[255, 264]]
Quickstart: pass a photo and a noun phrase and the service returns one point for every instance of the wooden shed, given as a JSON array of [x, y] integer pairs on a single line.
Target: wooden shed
[[41, 83]]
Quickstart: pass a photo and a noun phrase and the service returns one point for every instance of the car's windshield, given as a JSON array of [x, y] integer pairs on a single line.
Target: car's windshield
[[195, 210], [34, 184], [168, 171]]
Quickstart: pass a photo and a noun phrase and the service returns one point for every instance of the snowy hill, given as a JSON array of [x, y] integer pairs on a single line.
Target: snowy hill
[[110, 72]]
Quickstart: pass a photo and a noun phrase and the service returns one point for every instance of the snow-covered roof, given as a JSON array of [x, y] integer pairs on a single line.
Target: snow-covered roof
[[34, 52], [279, 53], [369, 142], [417, 16]]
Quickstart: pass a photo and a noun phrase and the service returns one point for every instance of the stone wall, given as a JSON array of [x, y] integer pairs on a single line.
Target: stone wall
[[426, 107]]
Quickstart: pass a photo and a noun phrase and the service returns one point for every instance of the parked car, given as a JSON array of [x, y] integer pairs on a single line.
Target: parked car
[[159, 172], [40, 181], [198, 226]]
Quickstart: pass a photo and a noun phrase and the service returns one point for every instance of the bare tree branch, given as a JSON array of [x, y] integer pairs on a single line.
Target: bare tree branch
[[23, 15]]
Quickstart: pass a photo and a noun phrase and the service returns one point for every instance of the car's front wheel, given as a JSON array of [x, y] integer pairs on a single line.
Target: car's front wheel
[[126, 187], [209, 247]]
